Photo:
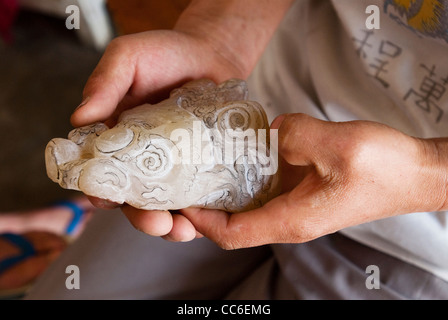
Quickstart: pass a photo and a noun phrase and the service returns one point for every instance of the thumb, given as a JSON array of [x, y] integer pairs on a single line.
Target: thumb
[[301, 139], [276, 123], [242, 230], [105, 89]]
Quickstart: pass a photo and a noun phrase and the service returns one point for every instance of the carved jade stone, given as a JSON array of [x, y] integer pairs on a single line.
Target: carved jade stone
[[204, 146]]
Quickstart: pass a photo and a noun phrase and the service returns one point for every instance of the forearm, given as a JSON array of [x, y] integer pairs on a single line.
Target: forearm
[[239, 30]]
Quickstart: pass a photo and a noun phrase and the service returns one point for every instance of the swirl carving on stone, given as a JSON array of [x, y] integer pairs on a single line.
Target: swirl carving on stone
[[198, 148]]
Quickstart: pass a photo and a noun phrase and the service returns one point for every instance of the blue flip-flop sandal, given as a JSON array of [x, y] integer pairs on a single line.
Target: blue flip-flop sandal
[[78, 214], [26, 251]]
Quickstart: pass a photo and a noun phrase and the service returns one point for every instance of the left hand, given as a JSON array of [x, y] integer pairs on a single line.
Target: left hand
[[337, 175]]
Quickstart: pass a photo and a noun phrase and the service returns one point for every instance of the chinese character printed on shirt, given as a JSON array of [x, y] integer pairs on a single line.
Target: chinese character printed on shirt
[[428, 94], [378, 57]]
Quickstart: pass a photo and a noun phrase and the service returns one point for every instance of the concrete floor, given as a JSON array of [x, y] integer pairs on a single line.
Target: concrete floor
[[42, 74]]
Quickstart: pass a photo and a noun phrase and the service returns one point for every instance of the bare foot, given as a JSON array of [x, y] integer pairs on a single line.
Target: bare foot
[[54, 219], [47, 248]]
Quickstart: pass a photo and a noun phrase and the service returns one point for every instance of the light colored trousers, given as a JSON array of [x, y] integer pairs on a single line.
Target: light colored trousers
[[116, 261]]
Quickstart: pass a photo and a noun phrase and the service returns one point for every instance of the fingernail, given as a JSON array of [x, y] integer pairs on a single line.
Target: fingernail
[[83, 103], [278, 121]]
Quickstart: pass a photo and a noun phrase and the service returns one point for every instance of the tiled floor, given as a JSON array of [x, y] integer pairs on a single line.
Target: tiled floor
[[41, 79]]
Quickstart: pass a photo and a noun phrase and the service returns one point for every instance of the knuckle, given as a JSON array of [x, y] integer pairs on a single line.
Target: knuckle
[[233, 240], [287, 137], [306, 230], [357, 149], [118, 43], [119, 48], [292, 134], [306, 226], [309, 231], [227, 244]]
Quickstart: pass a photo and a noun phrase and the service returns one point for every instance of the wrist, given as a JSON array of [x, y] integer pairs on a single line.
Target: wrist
[[435, 155], [237, 32]]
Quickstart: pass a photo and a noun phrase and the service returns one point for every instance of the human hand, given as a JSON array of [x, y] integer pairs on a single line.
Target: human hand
[[140, 67], [144, 67], [218, 40], [336, 175]]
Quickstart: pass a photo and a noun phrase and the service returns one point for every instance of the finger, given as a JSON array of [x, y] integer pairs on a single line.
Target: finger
[[106, 87], [155, 223], [199, 235], [276, 123], [301, 138], [103, 203], [182, 231], [268, 224]]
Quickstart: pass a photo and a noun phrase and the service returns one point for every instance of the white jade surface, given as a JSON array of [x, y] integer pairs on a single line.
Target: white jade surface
[[200, 147]]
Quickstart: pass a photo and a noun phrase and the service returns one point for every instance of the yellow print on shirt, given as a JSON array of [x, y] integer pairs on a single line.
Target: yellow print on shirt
[[427, 17]]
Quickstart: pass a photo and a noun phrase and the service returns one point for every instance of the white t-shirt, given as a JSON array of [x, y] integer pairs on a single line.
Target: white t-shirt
[[325, 62]]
